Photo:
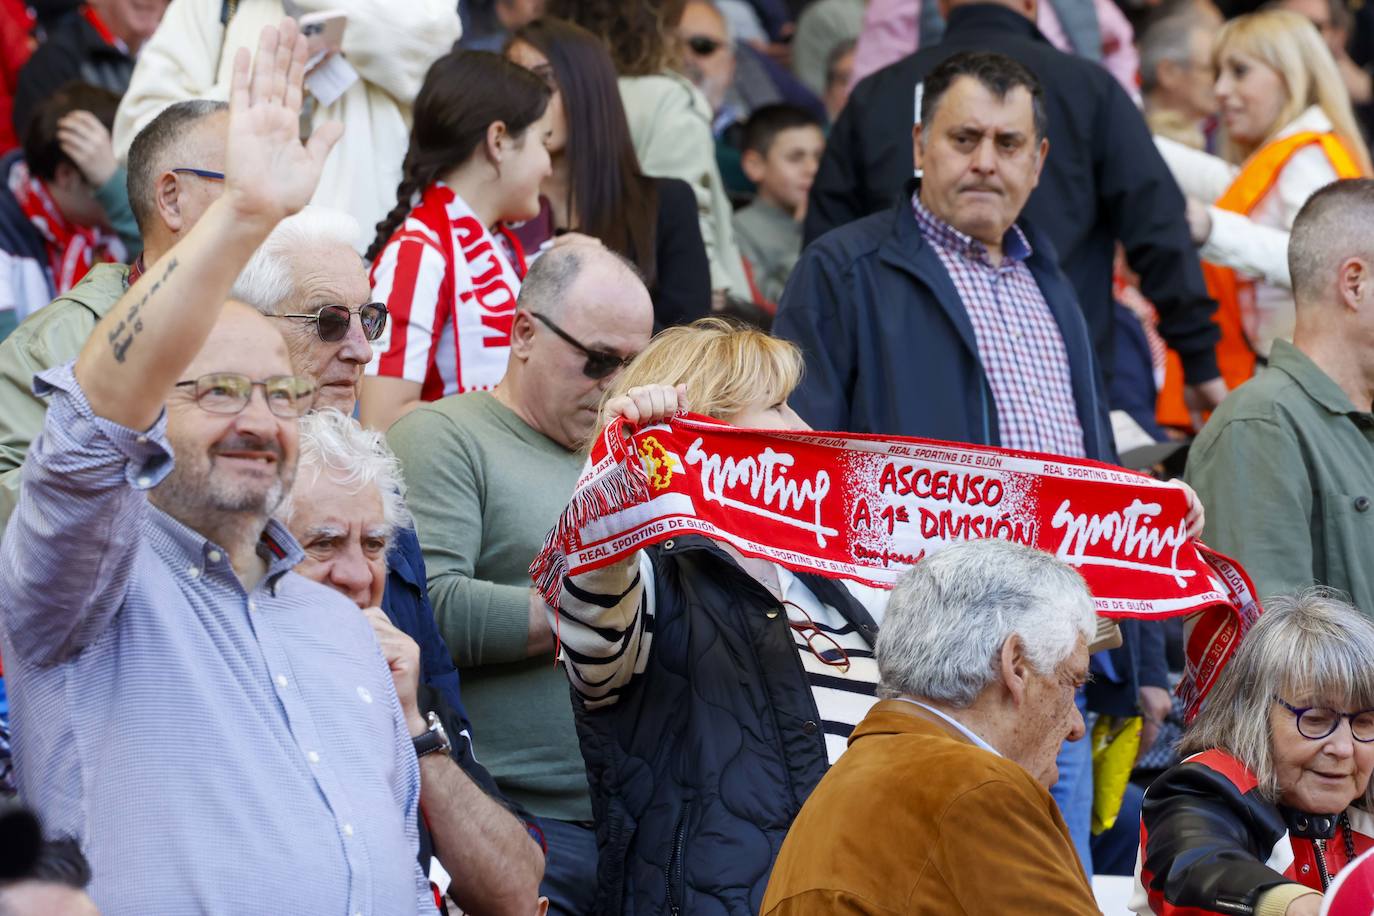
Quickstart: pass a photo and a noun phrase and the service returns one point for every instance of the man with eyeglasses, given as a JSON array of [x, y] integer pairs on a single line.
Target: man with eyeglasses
[[172, 169], [219, 733], [488, 474]]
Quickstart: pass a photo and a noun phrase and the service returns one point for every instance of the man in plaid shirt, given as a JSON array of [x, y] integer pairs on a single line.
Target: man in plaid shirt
[[949, 318]]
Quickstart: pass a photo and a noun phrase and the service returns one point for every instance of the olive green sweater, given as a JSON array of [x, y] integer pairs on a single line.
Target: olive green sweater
[[485, 488]]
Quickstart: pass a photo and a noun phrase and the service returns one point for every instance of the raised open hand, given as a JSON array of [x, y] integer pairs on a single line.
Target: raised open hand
[[269, 173]]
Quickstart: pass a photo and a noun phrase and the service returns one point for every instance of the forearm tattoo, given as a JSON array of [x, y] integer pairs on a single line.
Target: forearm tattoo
[[131, 325]]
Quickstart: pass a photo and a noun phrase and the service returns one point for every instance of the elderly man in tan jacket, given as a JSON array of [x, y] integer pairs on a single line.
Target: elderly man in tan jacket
[[941, 804], [368, 84]]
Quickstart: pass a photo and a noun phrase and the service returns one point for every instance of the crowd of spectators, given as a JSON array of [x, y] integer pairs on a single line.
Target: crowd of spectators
[[283, 653]]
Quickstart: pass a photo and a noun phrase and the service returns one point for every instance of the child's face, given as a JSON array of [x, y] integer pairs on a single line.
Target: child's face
[[790, 166]]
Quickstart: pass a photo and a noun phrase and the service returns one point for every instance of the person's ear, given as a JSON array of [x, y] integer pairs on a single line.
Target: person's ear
[[167, 201], [496, 141], [1355, 285], [754, 165], [522, 335], [1015, 668], [1041, 155], [918, 152]]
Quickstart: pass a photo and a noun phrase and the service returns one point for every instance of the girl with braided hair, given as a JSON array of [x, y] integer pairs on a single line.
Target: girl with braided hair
[[443, 263]]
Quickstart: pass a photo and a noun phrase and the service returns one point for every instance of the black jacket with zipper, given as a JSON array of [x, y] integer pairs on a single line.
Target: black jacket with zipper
[[698, 769]]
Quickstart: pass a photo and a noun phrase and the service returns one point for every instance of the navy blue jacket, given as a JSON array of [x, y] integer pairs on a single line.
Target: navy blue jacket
[[890, 350]]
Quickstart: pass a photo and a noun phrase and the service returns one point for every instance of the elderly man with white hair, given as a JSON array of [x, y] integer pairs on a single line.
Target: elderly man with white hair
[[941, 803], [347, 510]]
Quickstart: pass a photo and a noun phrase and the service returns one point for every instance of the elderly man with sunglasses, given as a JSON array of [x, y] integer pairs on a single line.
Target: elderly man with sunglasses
[[488, 474], [308, 278], [218, 732]]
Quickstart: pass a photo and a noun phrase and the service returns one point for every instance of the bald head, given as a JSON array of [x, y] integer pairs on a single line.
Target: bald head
[[1330, 239], [547, 286], [242, 341], [166, 203]]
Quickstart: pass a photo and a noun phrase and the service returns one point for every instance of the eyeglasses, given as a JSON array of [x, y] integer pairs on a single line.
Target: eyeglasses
[[829, 652], [288, 396], [331, 321], [600, 363], [704, 45], [201, 173], [1317, 722]]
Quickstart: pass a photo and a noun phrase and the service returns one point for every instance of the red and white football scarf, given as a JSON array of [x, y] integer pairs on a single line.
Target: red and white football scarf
[[71, 249], [866, 507]]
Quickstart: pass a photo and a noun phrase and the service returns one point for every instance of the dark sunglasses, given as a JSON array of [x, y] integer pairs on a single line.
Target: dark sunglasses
[[600, 363], [704, 46], [331, 321]]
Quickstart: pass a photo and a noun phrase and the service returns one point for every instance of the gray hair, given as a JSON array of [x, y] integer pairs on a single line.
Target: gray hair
[[1333, 225], [267, 282], [154, 148], [545, 288], [1310, 647], [1166, 40], [949, 615], [354, 457]]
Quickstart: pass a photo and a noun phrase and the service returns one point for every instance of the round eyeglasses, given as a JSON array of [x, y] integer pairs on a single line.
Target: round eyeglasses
[[1318, 722], [288, 396], [331, 321]]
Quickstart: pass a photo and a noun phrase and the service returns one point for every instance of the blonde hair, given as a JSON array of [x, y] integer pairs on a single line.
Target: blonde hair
[[1288, 43], [725, 365]]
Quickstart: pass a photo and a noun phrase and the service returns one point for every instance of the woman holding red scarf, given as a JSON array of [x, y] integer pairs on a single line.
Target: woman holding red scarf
[[443, 262]]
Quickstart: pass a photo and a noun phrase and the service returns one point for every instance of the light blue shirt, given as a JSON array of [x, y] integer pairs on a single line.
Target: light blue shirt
[[978, 741], [213, 750]]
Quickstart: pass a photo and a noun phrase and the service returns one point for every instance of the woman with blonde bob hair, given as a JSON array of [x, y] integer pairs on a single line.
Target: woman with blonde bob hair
[[712, 690], [1288, 130], [1274, 797]]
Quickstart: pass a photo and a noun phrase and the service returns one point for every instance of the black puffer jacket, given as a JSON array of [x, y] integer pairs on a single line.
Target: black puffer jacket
[[698, 769]]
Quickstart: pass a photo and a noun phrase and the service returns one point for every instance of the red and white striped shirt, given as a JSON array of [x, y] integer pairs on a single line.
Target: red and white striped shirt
[[450, 290]]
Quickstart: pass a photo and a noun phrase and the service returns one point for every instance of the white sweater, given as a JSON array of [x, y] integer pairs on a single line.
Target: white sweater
[[391, 45], [1256, 246]]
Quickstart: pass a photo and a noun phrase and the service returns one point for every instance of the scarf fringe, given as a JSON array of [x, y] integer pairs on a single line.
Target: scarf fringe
[[620, 486]]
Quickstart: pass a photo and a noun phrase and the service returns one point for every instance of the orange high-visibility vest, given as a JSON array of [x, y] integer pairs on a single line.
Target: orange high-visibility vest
[[1235, 295]]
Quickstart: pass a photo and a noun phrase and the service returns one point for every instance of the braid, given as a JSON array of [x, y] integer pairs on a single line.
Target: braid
[[412, 183]]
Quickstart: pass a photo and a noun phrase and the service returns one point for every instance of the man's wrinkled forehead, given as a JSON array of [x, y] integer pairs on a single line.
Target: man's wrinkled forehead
[[331, 274], [968, 104]]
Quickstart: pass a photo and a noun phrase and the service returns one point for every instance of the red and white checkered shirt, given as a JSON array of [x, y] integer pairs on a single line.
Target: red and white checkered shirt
[[1019, 342]]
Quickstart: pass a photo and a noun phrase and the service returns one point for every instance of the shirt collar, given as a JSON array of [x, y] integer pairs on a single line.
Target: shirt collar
[[1318, 386], [276, 545], [1015, 245], [978, 741]]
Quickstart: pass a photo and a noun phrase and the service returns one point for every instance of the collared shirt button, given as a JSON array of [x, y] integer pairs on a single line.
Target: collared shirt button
[[313, 757], [145, 482], [281, 680], [347, 829], [193, 571], [252, 605], [215, 556], [1361, 503], [142, 440]]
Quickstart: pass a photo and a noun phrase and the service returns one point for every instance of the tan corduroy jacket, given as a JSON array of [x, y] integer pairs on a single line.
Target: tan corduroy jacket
[[916, 819]]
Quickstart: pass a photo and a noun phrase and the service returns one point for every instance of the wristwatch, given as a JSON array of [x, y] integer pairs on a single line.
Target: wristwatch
[[432, 739]]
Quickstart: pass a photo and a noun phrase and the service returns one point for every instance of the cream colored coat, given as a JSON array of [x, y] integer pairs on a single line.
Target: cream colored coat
[[391, 45]]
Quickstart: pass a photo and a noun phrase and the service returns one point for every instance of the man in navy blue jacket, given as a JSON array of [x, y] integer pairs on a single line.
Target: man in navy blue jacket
[[949, 318]]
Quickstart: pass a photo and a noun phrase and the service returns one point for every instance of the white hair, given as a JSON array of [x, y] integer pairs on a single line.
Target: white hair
[[949, 615], [354, 457], [267, 282]]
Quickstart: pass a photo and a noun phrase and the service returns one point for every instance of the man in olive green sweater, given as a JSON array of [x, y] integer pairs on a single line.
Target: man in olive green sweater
[[167, 199], [488, 474]]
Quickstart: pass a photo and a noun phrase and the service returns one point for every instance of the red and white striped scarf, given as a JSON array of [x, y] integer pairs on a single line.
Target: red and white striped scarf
[[71, 249], [866, 507]]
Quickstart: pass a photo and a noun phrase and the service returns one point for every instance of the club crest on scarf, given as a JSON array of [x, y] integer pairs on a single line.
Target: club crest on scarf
[[866, 507]]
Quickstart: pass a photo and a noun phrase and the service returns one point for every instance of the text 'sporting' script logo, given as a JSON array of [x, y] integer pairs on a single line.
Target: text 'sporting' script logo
[[1124, 539], [659, 461], [771, 493]]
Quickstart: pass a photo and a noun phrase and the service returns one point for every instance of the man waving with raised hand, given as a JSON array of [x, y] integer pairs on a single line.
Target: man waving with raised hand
[[219, 733]]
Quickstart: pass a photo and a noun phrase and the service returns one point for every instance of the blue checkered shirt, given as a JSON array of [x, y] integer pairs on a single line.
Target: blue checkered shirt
[[214, 750], [1019, 342]]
